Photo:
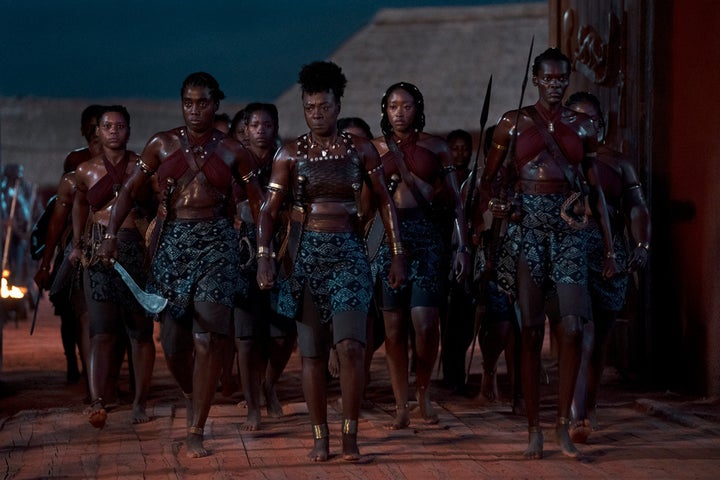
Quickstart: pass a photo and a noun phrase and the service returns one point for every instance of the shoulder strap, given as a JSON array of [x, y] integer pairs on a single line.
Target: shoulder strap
[[407, 177], [553, 147]]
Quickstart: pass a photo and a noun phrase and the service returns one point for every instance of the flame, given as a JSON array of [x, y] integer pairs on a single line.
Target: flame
[[10, 291]]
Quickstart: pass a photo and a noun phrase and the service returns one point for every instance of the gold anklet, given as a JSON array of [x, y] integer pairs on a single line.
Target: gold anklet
[[349, 427], [196, 430], [565, 421], [320, 431]]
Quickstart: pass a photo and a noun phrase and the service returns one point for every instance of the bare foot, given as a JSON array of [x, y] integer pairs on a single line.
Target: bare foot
[[426, 409], [351, 452], [321, 450], [564, 441], [98, 414], [580, 431], [252, 423], [139, 414], [488, 389], [274, 409], [534, 449], [334, 364], [195, 448], [402, 418]]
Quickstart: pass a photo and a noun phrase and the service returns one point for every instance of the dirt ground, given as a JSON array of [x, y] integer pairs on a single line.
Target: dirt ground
[[33, 377]]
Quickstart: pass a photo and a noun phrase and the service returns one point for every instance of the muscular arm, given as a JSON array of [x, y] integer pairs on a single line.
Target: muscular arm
[[277, 190], [637, 213], [245, 176], [142, 171], [598, 196], [80, 211], [462, 258], [495, 158], [56, 225], [371, 160]]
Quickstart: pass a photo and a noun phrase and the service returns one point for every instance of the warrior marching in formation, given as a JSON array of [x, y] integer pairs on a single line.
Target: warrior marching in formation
[[336, 240]]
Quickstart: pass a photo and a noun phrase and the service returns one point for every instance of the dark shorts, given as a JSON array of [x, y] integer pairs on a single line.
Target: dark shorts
[[423, 245], [197, 262], [315, 337], [335, 269], [254, 315], [110, 305], [606, 294], [554, 251]]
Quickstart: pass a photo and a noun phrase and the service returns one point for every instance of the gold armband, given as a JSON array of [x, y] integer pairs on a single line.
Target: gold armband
[[396, 248], [246, 178], [276, 187], [498, 146], [144, 167], [263, 252]]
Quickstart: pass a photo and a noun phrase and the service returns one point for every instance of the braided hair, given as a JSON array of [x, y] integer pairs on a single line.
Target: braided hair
[[203, 79], [418, 121]]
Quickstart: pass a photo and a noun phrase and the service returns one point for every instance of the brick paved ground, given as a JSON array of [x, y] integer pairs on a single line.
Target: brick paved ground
[[44, 433]]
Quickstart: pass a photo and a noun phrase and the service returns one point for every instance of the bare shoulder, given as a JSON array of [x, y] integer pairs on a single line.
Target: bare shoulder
[[433, 143], [380, 145], [578, 121]]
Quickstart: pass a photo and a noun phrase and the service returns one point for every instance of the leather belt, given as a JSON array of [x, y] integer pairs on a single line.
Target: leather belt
[[544, 187]]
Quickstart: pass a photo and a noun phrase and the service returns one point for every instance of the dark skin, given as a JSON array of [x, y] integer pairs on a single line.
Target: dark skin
[[623, 195], [74, 327], [114, 133], [551, 81], [258, 371], [321, 114], [196, 371], [401, 111]]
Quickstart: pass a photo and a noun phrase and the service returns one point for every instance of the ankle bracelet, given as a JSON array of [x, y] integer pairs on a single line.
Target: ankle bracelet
[[196, 430], [320, 431], [349, 427]]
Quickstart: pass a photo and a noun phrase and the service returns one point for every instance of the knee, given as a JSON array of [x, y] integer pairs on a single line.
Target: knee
[[532, 337], [207, 341], [572, 325], [350, 349]]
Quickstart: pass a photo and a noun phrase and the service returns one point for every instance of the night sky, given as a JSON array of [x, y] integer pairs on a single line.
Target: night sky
[[143, 49]]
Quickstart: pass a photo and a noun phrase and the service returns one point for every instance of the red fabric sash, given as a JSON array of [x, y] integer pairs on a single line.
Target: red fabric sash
[[107, 187]]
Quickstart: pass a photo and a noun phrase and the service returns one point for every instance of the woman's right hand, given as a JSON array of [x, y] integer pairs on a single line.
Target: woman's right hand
[[265, 274]]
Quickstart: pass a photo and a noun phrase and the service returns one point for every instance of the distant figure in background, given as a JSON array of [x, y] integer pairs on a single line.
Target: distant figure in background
[[19, 207], [626, 206], [238, 127], [356, 126], [222, 122], [458, 315], [62, 280], [264, 339]]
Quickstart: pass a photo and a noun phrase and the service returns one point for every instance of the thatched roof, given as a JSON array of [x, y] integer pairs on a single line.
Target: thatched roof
[[449, 53]]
